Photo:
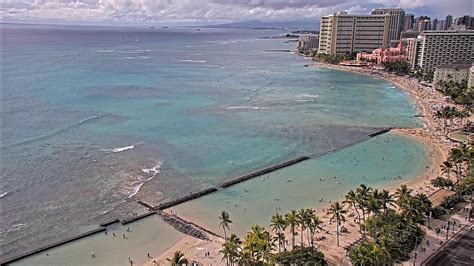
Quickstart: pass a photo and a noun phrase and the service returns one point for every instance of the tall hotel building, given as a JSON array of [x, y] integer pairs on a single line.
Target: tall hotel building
[[434, 48], [396, 21], [341, 33]]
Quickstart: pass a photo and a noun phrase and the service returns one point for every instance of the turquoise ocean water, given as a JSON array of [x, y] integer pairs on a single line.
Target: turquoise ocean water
[[95, 118]]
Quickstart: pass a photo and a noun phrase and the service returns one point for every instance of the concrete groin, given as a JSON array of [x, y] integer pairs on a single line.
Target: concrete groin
[[184, 226], [133, 219], [380, 132], [44, 248], [107, 223], [144, 204], [189, 197], [262, 172]]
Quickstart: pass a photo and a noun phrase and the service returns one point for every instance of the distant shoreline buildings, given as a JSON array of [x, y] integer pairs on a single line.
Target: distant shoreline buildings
[[423, 42]]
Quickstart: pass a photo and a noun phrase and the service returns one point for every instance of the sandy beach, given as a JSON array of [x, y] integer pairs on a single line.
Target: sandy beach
[[432, 135]]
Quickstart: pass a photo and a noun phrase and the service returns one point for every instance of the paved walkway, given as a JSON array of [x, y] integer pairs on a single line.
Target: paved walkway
[[434, 241]]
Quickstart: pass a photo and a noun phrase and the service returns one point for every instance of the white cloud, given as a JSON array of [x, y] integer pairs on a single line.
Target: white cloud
[[195, 10]]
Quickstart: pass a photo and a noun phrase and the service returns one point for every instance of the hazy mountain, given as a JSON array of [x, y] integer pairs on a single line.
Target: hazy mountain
[[270, 24]]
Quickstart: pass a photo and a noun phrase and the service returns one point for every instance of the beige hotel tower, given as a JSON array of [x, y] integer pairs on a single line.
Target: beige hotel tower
[[341, 33]]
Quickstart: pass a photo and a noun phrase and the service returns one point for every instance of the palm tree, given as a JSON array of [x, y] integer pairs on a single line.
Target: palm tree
[[446, 167], [226, 252], [244, 258], [178, 259], [308, 220], [291, 219], [352, 200], [230, 249], [403, 195], [468, 154], [368, 254], [314, 225], [337, 211], [302, 223], [363, 193], [258, 243], [374, 205], [411, 211], [280, 238], [278, 225], [386, 200], [224, 222], [457, 157]]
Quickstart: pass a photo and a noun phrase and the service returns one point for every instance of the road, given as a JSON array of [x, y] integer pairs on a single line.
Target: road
[[459, 251]]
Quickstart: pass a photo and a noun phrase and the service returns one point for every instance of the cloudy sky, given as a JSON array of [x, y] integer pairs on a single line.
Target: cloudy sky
[[211, 11]]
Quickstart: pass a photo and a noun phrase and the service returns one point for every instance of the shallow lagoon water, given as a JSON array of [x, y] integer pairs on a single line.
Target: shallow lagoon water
[[148, 235], [375, 162]]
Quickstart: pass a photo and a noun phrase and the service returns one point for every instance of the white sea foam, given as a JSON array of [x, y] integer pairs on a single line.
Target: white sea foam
[[144, 57], [135, 190], [14, 227], [129, 52], [135, 185], [307, 95], [120, 149], [123, 148], [245, 107], [154, 170], [141, 51], [107, 211], [105, 51], [4, 194], [89, 118], [193, 61]]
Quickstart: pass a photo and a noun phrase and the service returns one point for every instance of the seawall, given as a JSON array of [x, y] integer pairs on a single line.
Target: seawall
[[180, 224], [191, 196], [44, 248], [380, 132], [262, 172]]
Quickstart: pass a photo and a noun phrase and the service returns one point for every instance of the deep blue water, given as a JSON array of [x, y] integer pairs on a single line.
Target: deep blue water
[[95, 118]]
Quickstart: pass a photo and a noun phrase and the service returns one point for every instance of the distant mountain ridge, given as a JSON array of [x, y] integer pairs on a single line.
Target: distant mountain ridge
[[269, 24]]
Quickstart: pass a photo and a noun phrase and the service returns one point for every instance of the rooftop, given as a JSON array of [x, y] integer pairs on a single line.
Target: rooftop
[[444, 32]]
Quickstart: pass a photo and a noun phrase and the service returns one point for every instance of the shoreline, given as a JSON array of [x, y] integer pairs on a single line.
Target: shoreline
[[430, 135]]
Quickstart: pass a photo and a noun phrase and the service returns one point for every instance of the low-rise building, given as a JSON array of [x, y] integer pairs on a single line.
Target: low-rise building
[[308, 42], [380, 56], [458, 72]]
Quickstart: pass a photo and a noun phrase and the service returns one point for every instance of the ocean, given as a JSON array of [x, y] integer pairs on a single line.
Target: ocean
[[94, 118]]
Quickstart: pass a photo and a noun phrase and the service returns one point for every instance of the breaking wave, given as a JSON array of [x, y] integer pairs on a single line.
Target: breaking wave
[[136, 184], [53, 133], [154, 170], [193, 61], [120, 149], [246, 107]]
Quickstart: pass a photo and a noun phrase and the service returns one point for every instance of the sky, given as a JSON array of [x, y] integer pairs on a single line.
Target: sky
[[200, 12]]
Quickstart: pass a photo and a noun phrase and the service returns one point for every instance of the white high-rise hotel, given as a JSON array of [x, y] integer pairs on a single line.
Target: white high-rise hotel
[[434, 48], [341, 33]]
